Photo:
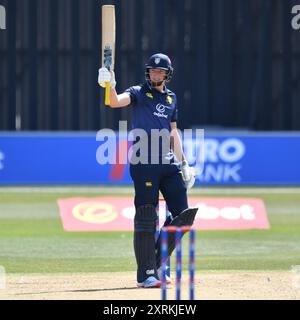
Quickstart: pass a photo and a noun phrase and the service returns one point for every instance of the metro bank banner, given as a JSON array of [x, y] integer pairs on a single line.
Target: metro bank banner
[[45, 158]]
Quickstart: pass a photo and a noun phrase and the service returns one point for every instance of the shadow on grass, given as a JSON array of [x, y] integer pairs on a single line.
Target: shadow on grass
[[81, 290]]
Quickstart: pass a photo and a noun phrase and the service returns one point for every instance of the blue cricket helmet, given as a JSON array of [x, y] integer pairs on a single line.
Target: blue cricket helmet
[[159, 61]]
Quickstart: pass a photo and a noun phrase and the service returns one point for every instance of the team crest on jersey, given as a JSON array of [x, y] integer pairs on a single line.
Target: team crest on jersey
[[149, 95], [157, 60], [169, 99]]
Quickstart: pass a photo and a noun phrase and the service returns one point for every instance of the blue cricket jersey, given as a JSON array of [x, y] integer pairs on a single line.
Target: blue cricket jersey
[[152, 109]]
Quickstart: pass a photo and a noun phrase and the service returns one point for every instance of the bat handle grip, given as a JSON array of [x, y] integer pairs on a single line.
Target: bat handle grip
[[107, 93]]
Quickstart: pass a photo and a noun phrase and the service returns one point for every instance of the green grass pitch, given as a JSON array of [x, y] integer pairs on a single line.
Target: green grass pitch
[[32, 239]]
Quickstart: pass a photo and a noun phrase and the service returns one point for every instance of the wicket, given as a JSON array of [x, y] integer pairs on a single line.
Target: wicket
[[164, 256], [165, 215]]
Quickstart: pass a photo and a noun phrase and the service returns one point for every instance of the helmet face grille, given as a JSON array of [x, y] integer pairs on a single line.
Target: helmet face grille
[[159, 61], [168, 76]]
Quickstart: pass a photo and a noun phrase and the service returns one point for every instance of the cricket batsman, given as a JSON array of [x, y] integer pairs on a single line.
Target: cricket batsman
[[154, 106]]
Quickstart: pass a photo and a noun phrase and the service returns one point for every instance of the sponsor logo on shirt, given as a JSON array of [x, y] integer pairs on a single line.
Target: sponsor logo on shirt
[[161, 111]]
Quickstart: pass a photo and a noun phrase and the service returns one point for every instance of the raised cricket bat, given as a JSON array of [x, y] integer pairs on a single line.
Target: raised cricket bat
[[108, 43]]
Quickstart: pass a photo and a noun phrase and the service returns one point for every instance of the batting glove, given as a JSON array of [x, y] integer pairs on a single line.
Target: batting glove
[[104, 75], [188, 174]]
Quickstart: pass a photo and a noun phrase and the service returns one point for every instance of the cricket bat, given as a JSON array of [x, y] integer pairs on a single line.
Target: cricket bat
[[108, 43]]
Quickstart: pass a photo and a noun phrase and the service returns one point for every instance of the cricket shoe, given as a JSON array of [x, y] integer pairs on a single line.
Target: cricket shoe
[[160, 275], [150, 282]]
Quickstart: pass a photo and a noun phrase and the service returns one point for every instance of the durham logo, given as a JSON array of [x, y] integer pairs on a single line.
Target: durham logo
[[2, 18]]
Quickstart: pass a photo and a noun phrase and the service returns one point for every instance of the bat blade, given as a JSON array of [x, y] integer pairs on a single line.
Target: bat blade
[[108, 43], [108, 35]]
